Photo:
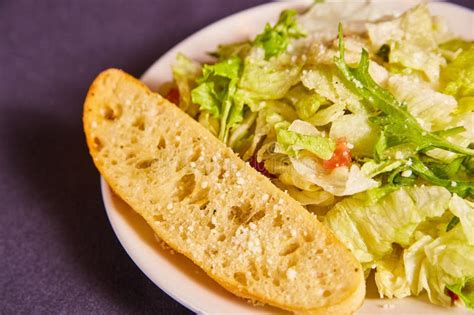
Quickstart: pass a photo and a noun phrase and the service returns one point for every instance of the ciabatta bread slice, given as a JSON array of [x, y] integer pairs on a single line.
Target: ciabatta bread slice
[[208, 204]]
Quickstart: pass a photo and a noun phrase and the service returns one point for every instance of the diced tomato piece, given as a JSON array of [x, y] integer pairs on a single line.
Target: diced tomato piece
[[260, 167], [340, 157], [454, 297], [173, 96]]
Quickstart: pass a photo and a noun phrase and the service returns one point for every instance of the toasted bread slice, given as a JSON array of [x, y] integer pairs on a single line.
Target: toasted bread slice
[[208, 204]]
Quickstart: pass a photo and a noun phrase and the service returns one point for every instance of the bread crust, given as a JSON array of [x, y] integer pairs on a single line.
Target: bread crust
[[346, 305]]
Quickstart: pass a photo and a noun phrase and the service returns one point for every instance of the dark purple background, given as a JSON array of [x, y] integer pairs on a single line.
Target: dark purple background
[[58, 253]]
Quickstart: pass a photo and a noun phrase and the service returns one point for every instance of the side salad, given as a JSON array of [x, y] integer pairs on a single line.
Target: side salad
[[369, 126]]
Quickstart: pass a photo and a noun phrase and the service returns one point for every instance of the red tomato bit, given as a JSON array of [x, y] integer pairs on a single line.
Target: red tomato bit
[[340, 157], [454, 297], [173, 96]]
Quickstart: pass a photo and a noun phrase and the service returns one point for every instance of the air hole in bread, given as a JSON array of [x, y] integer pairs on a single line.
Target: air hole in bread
[[225, 263], [289, 249], [210, 252], [240, 214], [203, 203], [195, 155], [278, 220], [308, 237], [113, 162], [276, 282], [220, 176], [139, 123], [241, 278], [162, 143], [134, 140], [256, 216], [221, 238], [326, 293], [319, 251], [211, 225], [254, 271], [97, 144], [110, 113], [293, 261], [144, 164], [264, 269], [158, 218], [130, 155], [185, 186]]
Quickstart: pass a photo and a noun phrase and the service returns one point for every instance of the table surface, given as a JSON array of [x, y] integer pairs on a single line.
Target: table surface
[[58, 253]]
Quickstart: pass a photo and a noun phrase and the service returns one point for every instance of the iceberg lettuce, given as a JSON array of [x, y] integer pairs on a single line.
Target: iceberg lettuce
[[393, 219], [341, 181], [357, 130], [303, 136], [413, 39]]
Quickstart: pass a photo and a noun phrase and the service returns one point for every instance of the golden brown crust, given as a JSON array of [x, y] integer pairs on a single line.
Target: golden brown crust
[[348, 304]]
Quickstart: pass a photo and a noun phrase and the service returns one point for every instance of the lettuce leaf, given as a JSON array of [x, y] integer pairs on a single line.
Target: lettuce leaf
[[463, 188], [399, 126], [458, 77], [292, 141], [215, 93], [275, 39], [267, 79], [357, 130], [341, 181], [390, 278], [431, 109], [464, 210], [412, 40], [185, 72], [393, 219]]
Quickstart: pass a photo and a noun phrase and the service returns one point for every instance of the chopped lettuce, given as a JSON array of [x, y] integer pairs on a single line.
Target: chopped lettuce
[[458, 77], [275, 39], [464, 210], [431, 109], [399, 126], [393, 219], [390, 278], [185, 73], [358, 131], [299, 138], [341, 181], [267, 79], [412, 40], [216, 91]]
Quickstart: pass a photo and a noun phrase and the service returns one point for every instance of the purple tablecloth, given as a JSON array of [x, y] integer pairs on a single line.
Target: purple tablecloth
[[58, 253]]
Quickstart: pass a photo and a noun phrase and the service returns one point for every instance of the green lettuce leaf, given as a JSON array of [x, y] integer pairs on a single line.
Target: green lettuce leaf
[[463, 188], [390, 277], [185, 72], [464, 210], [215, 93], [393, 219], [305, 102], [465, 290], [357, 130], [292, 141], [267, 79], [275, 39], [431, 109], [341, 181], [458, 77], [399, 126], [412, 40]]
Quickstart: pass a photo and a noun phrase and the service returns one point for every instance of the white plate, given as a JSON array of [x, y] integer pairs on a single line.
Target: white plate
[[175, 274]]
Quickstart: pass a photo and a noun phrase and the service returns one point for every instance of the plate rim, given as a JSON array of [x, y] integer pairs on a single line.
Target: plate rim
[[107, 192]]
